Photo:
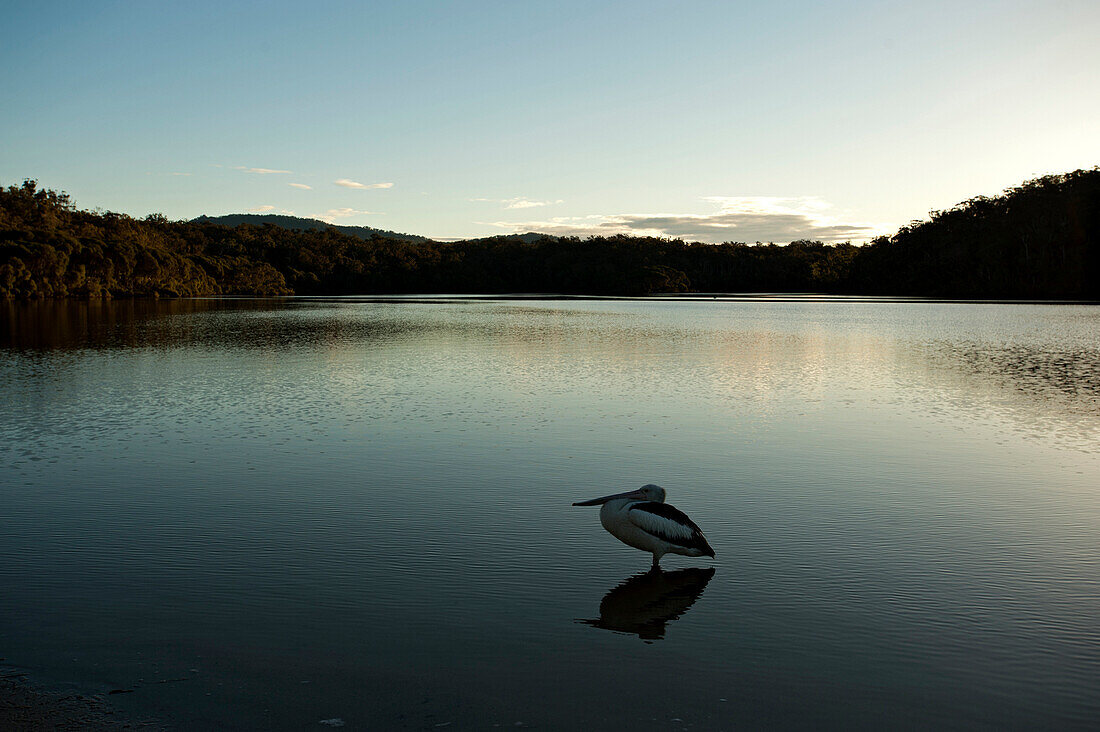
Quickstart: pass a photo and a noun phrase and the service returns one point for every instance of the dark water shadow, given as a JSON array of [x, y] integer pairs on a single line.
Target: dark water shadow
[[264, 324], [646, 603], [44, 325]]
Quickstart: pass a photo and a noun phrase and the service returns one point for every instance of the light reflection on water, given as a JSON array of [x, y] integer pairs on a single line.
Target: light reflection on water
[[361, 510]]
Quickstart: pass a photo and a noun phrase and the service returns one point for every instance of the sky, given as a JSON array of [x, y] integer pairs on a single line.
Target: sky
[[707, 121]]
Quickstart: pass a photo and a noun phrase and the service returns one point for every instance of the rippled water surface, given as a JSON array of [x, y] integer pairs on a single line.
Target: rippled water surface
[[265, 514]]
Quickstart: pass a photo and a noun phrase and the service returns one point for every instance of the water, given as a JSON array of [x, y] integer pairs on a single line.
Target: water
[[265, 514]]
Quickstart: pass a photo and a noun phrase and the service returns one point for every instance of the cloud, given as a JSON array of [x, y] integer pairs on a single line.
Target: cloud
[[303, 186], [343, 213], [524, 203], [353, 184], [260, 209], [183, 174], [738, 218], [518, 202], [261, 171]]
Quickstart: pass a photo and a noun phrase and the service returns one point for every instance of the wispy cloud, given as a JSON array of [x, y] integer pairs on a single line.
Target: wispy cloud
[[343, 213], [738, 218], [517, 202], [262, 171], [303, 186], [261, 209], [354, 184], [524, 203]]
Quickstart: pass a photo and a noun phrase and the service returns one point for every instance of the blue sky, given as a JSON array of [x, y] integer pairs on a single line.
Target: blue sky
[[713, 121]]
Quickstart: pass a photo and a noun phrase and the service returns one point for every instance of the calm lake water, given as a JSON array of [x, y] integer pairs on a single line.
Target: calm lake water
[[265, 514]]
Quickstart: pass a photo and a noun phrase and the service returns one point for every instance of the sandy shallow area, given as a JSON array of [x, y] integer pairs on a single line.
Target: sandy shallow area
[[26, 705]]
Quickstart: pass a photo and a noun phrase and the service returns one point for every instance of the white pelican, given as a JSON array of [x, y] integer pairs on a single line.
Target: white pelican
[[643, 520]]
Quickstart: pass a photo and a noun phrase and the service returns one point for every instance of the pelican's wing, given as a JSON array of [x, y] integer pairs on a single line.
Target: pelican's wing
[[670, 524]]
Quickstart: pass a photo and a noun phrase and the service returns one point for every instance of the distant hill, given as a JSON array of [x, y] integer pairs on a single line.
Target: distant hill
[[297, 223], [529, 238]]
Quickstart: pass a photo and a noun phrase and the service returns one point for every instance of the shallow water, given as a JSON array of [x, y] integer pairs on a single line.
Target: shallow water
[[264, 514]]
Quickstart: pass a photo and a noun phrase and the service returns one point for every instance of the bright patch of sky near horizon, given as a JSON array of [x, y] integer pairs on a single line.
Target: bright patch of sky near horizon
[[715, 121]]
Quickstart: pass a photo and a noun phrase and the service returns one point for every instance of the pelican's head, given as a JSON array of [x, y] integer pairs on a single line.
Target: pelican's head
[[649, 492]]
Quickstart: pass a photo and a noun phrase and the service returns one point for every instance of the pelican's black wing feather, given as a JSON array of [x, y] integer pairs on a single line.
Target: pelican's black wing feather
[[670, 524]]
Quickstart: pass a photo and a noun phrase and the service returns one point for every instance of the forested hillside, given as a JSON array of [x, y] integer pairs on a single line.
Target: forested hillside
[[302, 224], [1039, 240]]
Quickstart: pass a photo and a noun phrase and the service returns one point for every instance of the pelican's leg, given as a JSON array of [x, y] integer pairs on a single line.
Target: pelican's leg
[[656, 561]]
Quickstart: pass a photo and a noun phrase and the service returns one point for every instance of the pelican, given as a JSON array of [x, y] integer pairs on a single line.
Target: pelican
[[643, 520]]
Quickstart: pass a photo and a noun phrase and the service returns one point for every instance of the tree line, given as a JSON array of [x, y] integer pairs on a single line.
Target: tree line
[[1038, 240]]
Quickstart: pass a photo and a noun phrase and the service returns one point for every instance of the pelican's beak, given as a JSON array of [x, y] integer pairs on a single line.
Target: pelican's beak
[[598, 501]]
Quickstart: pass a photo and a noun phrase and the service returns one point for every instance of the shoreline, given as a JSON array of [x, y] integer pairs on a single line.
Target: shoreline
[[451, 297]]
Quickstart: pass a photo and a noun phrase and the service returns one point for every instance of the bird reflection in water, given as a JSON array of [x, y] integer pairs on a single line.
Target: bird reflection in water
[[645, 603]]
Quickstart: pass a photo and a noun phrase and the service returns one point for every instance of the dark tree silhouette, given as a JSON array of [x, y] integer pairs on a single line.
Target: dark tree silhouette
[[1038, 240]]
